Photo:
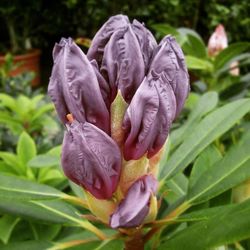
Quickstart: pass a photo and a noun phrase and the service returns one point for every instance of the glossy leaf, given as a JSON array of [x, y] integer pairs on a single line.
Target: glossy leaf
[[7, 101], [12, 161], [230, 52], [194, 46], [27, 245], [7, 224], [42, 110], [165, 29], [18, 188], [230, 171], [26, 148], [210, 128], [44, 160], [28, 210], [222, 226], [204, 105], [176, 188], [199, 64], [203, 163]]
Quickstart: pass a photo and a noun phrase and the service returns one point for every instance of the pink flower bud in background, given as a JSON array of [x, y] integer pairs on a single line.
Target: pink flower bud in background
[[217, 41]]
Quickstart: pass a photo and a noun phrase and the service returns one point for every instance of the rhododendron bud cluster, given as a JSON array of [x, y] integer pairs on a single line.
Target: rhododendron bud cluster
[[118, 103]]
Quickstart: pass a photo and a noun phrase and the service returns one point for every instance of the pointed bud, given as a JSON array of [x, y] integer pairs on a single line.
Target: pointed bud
[[123, 64], [218, 41], [91, 159], [104, 86], [132, 211], [146, 41], [103, 35], [169, 60], [74, 87], [148, 118]]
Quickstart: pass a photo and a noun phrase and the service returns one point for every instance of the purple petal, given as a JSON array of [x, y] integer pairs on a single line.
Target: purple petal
[[103, 35], [148, 118], [104, 86], [123, 64], [135, 207], [169, 59], [91, 159], [146, 40], [74, 87]]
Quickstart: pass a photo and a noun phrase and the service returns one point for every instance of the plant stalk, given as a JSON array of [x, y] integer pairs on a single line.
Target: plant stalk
[[134, 240]]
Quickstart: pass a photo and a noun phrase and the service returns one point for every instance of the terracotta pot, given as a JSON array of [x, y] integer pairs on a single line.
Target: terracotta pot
[[29, 62]]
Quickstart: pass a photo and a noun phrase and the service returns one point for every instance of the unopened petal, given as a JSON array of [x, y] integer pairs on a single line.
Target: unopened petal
[[146, 40], [135, 207], [148, 118], [123, 64], [74, 86], [169, 60], [91, 159], [103, 35], [103, 84]]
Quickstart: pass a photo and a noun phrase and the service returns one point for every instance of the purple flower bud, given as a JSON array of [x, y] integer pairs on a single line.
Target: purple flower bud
[[91, 159], [148, 118], [135, 207], [169, 60], [123, 65], [74, 86], [103, 35], [146, 40]]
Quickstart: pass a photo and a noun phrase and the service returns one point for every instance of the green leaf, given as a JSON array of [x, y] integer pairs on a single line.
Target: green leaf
[[204, 162], [7, 101], [165, 29], [230, 171], [26, 148], [45, 232], [18, 188], [44, 160], [42, 110], [68, 213], [35, 100], [27, 245], [11, 123], [7, 224], [23, 106], [56, 151], [199, 64], [211, 127], [28, 210], [194, 46], [111, 245], [176, 188], [13, 162], [205, 104], [230, 52], [222, 226], [47, 175]]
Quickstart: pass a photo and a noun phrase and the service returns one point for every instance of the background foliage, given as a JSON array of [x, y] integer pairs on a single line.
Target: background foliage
[[204, 174]]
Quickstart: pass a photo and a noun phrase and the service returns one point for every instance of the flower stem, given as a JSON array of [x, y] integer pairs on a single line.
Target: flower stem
[[169, 219], [134, 241], [75, 200]]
